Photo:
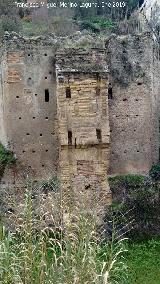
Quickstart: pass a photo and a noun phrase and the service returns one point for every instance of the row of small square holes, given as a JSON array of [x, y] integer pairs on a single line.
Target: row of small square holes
[[35, 117], [125, 151], [31, 167], [33, 151], [127, 100], [28, 134], [46, 95], [127, 115], [122, 130], [30, 54]]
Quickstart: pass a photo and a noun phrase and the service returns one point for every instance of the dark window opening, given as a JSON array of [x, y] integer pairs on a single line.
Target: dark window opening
[[28, 134], [99, 135], [46, 95], [42, 166], [17, 97], [29, 78], [136, 100], [61, 79], [33, 117], [110, 93], [45, 54], [46, 150], [68, 92], [69, 137], [41, 134], [124, 100], [45, 78], [75, 143], [35, 94], [139, 83], [23, 151], [46, 117], [20, 117], [98, 77], [98, 91], [33, 151], [29, 54]]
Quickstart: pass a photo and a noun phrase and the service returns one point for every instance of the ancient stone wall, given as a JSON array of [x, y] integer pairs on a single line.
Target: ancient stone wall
[[37, 80], [133, 108], [82, 79], [28, 100]]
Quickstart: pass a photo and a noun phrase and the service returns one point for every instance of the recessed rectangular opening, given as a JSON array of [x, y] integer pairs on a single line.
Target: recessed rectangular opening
[[99, 135], [110, 93], [98, 91], [69, 137], [68, 92], [98, 77], [46, 95]]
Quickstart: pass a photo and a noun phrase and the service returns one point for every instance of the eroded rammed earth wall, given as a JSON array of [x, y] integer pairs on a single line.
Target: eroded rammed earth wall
[[31, 87], [134, 110], [29, 115]]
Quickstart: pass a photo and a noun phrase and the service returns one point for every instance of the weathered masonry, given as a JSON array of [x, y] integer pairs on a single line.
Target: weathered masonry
[[82, 107], [134, 107], [80, 112], [28, 106]]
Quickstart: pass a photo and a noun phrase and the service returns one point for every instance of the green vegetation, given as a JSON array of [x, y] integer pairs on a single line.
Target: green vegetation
[[52, 184], [97, 24], [144, 262], [155, 172], [137, 197], [70, 253], [130, 181], [60, 21], [73, 253], [6, 159]]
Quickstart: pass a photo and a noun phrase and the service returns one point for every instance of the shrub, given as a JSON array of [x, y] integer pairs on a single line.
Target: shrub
[[7, 158], [10, 24], [52, 184], [139, 196], [129, 181], [88, 25], [97, 24], [155, 172]]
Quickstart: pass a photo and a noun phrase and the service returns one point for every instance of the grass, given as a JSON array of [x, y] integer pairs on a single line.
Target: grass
[[143, 260], [34, 29], [69, 253]]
